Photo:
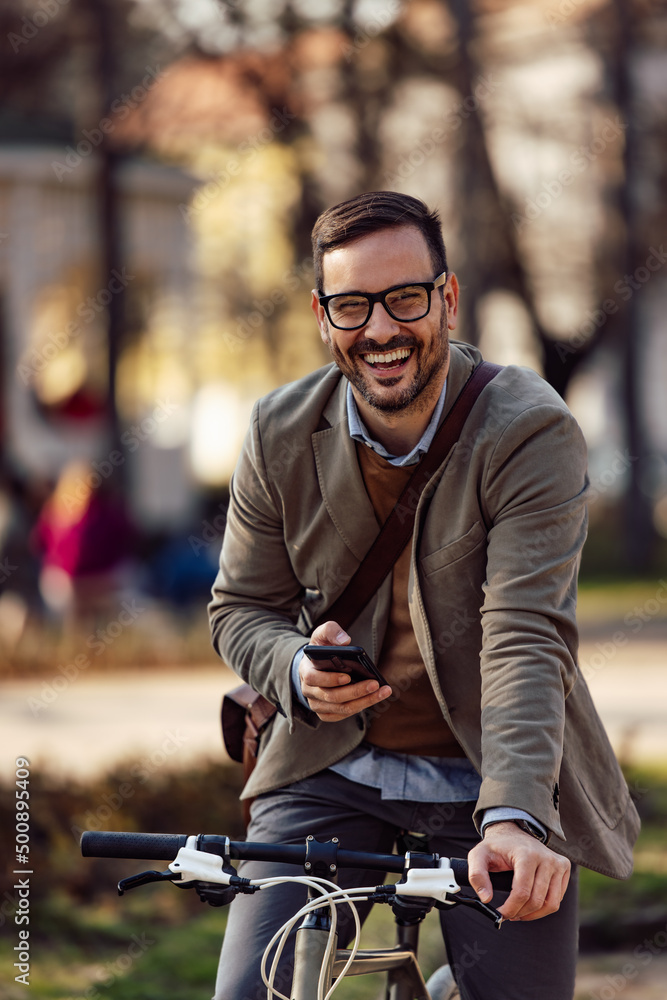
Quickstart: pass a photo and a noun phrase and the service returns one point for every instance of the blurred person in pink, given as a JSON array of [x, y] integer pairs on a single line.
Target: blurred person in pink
[[86, 542]]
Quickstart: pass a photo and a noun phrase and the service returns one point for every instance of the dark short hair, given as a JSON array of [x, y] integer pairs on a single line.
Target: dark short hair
[[370, 212]]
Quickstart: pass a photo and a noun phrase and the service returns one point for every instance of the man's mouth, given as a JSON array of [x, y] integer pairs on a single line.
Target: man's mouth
[[388, 360]]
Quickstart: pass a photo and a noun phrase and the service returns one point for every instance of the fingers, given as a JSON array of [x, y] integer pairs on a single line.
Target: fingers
[[330, 694], [540, 876], [537, 890], [330, 634], [548, 890], [335, 703], [480, 863]]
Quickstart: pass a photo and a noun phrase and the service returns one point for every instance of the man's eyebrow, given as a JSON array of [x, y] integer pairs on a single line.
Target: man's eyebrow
[[399, 284]]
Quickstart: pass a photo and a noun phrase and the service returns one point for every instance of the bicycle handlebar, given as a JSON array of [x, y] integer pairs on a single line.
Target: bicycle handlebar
[[137, 846], [165, 847]]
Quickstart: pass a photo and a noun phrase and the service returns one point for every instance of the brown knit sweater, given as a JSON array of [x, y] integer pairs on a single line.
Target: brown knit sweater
[[410, 721]]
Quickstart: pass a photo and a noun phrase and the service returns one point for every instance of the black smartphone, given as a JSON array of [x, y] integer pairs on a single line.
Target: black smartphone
[[352, 660]]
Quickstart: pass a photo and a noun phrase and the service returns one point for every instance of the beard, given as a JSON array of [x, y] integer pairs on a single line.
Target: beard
[[419, 393]]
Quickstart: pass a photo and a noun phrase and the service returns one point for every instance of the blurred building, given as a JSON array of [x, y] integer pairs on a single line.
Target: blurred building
[[53, 321]]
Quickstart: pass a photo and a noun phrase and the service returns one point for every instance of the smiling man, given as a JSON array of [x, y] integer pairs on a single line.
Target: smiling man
[[484, 737], [392, 348]]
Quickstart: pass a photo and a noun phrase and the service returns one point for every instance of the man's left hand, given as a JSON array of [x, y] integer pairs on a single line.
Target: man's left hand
[[540, 876]]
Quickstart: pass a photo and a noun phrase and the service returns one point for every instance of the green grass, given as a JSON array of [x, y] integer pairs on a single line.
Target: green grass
[[100, 952], [611, 599], [85, 951]]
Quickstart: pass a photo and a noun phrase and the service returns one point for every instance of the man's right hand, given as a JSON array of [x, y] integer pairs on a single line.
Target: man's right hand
[[331, 696]]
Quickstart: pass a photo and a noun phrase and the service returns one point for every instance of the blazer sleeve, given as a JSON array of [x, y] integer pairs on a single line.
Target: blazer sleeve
[[256, 597], [535, 496]]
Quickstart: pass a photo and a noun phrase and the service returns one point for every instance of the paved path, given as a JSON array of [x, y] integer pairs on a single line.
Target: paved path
[[96, 721], [83, 724], [637, 975]]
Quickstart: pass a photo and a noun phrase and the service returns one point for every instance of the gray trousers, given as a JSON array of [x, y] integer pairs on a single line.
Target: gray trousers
[[522, 961]]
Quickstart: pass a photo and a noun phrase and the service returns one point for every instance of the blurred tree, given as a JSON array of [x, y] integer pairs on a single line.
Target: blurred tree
[[518, 121]]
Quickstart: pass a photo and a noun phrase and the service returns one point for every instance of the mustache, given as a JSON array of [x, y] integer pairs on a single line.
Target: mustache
[[371, 347]]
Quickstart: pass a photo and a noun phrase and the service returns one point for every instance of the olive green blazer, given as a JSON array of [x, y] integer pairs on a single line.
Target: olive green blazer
[[492, 595]]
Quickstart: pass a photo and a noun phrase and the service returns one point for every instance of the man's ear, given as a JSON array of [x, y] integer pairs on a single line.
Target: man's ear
[[320, 317], [452, 301]]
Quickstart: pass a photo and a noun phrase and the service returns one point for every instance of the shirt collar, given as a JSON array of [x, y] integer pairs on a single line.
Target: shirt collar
[[358, 431]]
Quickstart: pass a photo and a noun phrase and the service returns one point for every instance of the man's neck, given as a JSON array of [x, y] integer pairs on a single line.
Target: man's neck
[[399, 432]]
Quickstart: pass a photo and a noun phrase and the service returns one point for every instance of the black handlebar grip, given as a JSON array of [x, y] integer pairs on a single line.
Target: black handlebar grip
[[499, 880], [460, 868], [140, 846]]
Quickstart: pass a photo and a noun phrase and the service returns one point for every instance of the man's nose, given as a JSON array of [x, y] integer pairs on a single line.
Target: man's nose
[[380, 325]]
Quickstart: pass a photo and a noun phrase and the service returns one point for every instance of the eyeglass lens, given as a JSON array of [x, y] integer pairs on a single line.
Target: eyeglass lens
[[407, 303]]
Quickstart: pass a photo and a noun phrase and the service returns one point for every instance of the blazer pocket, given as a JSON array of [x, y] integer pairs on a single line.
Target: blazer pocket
[[453, 551]]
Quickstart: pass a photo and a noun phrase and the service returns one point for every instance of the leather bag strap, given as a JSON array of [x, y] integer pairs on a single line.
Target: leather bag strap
[[397, 529]]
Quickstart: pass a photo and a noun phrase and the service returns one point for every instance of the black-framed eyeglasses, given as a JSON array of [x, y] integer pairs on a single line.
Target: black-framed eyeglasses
[[405, 303]]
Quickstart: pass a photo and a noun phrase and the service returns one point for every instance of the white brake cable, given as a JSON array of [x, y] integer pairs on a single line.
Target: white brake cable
[[283, 932], [192, 864], [332, 899]]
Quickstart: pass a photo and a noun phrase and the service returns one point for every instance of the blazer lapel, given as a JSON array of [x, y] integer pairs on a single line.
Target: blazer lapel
[[339, 476]]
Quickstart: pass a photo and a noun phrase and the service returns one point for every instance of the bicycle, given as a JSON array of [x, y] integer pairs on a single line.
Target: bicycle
[[203, 862]]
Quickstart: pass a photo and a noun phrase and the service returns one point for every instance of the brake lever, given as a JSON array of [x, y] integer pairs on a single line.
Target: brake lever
[[143, 878], [476, 904]]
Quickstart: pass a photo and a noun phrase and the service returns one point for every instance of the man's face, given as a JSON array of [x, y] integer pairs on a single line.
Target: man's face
[[412, 380]]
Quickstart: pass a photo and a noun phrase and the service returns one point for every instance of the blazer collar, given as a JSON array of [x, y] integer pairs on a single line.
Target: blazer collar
[[461, 366]]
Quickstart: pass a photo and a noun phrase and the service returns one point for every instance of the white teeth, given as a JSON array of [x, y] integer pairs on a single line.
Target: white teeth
[[376, 359]]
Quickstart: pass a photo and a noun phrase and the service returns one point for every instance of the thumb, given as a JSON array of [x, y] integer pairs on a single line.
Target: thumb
[[330, 634]]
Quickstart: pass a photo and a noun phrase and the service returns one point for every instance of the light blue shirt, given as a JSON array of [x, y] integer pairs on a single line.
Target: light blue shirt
[[358, 431], [409, 777]]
